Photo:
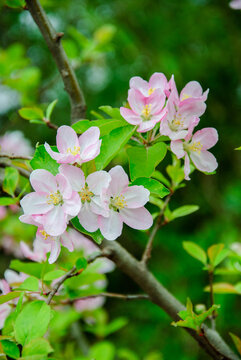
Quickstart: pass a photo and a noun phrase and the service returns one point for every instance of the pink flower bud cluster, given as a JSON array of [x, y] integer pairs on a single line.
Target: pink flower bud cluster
[[157, 104], [102, 200]]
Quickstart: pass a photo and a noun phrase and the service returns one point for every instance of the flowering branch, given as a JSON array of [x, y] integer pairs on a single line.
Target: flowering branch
[[53, 41]]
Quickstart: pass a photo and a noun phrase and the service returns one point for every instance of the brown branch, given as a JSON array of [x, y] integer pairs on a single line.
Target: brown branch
[[50, 124], [147, 252], [53, 41], [126, 297], [15, 157], [211, 342]]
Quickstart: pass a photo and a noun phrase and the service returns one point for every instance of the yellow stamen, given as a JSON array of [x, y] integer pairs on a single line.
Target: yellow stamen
[[146, 110], [45, 235], [196, 146], [118, 202], [54, 198], [74, 151], [151, 90], [85, 194], [185, 96]]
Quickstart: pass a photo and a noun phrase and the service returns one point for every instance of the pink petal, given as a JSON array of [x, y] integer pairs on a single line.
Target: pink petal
[[74, 175], [98, 181], [146, 126], [205, 161], [28, 253], [158, 81], [43, 181], [156, 100], [72, 205], [55, 221], [35, 203], [136, 101], [66, 241], [60, 157], [90, 152], [178, 135], [119, 180], [89, 137], [139, 218], [66, 138], [194, 122], [208, 137], [87, 218], [192, 107], [138, 83], [187, 167], [99, 206], [55, 251], [5, 310], [64, 186], [192, 89], [136, 196], [130, 116], [177, 148], [4, 287], [111, 227]]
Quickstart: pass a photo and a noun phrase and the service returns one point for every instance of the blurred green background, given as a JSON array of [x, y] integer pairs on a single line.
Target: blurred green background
[[108, 42]]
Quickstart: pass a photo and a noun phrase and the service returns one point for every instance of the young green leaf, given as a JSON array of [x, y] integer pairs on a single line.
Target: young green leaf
[[96, 236], [52, 275], [31, 113], [114, 113], [42, 160], [15, 3], [5, 201], [10, 349], [39, 346], [195, 251], [10, 296], [223, 288], [143, 161], [105, 125], [81, 263], [184, 211], [50, 109], [112, 144], [217, 254], [159, 176], [31, 268], [154, 186], [30, 284], [32, 322], [11, 179]]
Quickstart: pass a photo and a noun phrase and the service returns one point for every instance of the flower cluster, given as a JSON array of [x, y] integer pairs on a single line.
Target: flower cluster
[[103, 200], [14, 143], [157, 105]]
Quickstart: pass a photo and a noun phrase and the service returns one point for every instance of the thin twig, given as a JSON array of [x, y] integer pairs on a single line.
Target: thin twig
[[147, 252], [213, 315], [126, 297], [6, 162], [15, 157], [53, 41], [50, 124]]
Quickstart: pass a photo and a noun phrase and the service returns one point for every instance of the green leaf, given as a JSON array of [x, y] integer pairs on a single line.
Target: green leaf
[[159, 176], [50, 109], [114, 113], [9, 296], [31, 268], [31, 113], [223, 288], [11, 179], [143, 161], [81, 263], [32, 322], [96, 236], [5, 201], [10, 349], [38, 346], [15, 3], [42, 160], [238, 148], [112, 144], [237, 342], [52, 275], [184, 210], [216, 254], [105, 125], [115, 325], [195, 251], [30, 284], [154, 186], [104, 350]]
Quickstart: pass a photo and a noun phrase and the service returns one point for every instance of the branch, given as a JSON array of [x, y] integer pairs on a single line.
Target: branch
[[147, 252], [15, 157], [53, 41], [6, 162], [111, 295], [211, 342]]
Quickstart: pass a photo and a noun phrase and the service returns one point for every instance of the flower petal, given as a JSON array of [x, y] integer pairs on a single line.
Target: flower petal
[[89, 137], [66, 138], [55, 221], [64, 186], [205, 161], [158, 81], [138, 83], [72, 205], [74, 175], [61, 158], [156, 101], [55, 251], [136, 101], [98, 181], [111, 227], [66, 241], [87, 218], [187, 167], [177, 148], [129, 115], [90, 152], [35, 203], [146, 126], [139, 218], [43, 181], [208, 137], [119, 180], [136, 196]]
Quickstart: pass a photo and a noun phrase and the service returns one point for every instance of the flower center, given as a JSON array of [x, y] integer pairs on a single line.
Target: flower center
[[151, 90], [196, 146], [85, 194], [176, 123], [146, 111], [74, 151], [45, 235], [117, 202], [185, 96], [55, 198]]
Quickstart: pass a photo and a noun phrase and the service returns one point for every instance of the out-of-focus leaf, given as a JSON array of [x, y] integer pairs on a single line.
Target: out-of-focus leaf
[[237, 342], [105, 125], [30, 284], [15, 3], [31, 113], [195, 251], [52, 275], [222, 288], [184, 211], [31, 268], [217, 254], [50, 109], [11, 179], [10, 349], [5, 201], [10, 296], [81, 263], [38, 346]]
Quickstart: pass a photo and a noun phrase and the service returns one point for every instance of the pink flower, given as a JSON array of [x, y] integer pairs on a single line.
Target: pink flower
[[3, 212], [235, 4], [14, 143], [126, 204], [90, 192], [89, 304], [157, 81], [195, 148], [53, 199], [73, 149], [144, 111], [181, 112]]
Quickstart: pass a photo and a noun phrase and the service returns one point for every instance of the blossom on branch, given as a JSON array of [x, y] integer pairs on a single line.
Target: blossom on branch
[[157, 81], [73, 149]]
